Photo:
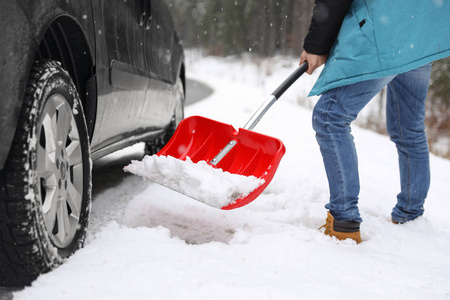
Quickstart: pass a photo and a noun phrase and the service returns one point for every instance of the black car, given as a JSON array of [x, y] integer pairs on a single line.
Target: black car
[[79, 80]]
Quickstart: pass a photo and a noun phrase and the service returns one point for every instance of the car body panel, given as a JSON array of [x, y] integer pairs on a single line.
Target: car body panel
[[129, 90], [135, 90], [29, 20]]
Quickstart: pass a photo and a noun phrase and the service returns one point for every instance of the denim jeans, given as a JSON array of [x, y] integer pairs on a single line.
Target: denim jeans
[[405, 114]]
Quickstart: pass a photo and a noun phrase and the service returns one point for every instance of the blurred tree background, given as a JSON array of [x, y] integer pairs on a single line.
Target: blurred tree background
[[266, 28], [437, 117], [230, 27]]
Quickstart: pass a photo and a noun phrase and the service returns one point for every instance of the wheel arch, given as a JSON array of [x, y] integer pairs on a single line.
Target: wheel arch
[[183, 77], [65, 41]]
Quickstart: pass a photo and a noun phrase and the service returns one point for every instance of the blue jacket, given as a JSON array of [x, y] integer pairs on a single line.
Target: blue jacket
[[379, 38]]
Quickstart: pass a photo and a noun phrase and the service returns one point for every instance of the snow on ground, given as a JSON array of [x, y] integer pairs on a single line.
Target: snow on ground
[[148, 242]]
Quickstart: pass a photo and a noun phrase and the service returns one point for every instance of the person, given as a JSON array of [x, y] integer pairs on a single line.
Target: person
[[366, 46]]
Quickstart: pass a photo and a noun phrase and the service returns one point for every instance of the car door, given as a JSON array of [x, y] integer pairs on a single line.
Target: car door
[[159, 41], [159, 38], [122, 75]]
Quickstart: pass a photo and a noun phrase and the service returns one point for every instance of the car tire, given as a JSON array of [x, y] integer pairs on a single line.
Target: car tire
[[45, 186], [154, 146]]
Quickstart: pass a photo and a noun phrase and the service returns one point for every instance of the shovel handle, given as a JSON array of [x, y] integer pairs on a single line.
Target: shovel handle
[[275, 96], [290, 80], [263, 109]]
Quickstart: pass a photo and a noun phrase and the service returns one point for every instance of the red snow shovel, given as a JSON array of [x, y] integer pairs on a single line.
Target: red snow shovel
[[242, 152]]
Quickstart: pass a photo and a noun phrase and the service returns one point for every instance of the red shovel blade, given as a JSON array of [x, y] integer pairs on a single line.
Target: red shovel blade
[[255, 154]]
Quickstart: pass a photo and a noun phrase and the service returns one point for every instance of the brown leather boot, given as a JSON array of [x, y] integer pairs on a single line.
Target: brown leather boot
[[342, 230]]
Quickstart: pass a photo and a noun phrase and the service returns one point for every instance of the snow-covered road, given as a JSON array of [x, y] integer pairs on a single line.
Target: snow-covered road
[[148, 242]]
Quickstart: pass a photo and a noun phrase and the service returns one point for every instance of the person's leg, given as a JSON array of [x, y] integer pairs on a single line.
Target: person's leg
[[405, 116], [332, 116]]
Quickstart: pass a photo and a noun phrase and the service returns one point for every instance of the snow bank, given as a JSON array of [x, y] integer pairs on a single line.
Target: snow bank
[[200, 181]]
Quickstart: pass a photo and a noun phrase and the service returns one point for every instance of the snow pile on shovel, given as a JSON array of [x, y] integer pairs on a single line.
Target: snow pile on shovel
[[200, 181]]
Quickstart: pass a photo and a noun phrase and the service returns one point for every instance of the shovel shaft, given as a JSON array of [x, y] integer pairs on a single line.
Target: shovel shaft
[[263, 109], [275, 96], [260, 113]]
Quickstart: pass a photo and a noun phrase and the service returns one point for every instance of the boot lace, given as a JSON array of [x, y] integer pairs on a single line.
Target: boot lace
[[327, 226]]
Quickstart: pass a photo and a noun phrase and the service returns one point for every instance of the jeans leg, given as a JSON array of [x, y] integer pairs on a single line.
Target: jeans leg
[[405, 116], [332, 116]]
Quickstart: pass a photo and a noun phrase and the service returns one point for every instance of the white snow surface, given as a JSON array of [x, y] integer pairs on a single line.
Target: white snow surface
[[200, 181], [148, 242]]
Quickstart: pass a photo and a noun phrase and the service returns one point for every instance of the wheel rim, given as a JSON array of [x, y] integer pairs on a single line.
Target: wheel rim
[[59, 170]]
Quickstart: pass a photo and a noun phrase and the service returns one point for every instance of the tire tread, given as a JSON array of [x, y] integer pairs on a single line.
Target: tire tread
[[22, 255]]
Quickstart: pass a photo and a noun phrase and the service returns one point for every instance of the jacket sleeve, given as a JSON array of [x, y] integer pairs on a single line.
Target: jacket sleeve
[[325, 24]]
